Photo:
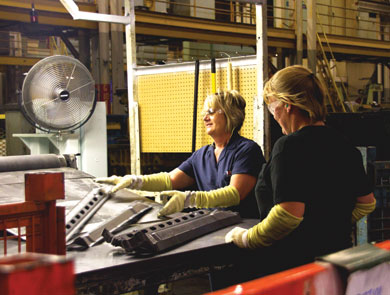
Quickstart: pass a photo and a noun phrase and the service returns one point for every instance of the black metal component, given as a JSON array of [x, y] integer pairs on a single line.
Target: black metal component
[[69, 45], [195, 104], [213, 76], [174, 232], [115, 225]]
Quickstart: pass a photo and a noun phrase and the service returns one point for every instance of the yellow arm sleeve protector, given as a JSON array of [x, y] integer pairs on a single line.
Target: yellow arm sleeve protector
[[156, 182], [223, 197], [361, 210], [275, 226]]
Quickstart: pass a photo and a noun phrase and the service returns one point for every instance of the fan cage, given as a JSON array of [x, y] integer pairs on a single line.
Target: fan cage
[[58, 94]]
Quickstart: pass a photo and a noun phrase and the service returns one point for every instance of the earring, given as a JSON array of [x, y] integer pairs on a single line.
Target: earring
[[286, 105]]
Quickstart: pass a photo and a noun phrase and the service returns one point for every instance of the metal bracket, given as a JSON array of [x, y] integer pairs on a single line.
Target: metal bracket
[[74, 11], [171, 233], [83, 211]]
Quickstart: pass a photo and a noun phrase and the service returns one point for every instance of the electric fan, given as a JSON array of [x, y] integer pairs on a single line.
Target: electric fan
[[58, 94]]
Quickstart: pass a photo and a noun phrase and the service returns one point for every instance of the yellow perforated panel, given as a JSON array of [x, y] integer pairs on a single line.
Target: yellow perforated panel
[[166, 102]]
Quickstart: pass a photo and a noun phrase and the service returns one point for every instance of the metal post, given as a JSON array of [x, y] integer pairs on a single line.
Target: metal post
[[129, 20], [386, 69], [84, 48], [135, 153], [311, 35], [196, 86], [260, 125], [95, 58], [299, 30], [118, 75], [104, 86]]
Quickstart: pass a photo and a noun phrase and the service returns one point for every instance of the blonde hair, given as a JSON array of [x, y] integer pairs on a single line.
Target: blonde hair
[[233, 106], [298, 86]]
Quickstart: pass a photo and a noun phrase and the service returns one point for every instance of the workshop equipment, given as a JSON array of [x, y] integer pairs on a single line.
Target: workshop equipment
[[174, 232], [23, 163], [58, 99], [58, 94]]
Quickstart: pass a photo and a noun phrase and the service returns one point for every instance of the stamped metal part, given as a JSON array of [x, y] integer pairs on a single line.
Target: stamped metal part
[[171, 233], [84, 210], [129, 216]]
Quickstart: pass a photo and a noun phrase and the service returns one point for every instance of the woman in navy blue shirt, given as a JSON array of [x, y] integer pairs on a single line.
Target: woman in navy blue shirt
[[224, 172]]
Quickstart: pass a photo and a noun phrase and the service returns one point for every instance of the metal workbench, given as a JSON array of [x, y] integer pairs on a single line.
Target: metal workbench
[[105, 269]]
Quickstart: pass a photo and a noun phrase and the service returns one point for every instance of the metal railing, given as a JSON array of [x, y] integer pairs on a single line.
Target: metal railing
[[338, 20], [332, 20], [15, 44]]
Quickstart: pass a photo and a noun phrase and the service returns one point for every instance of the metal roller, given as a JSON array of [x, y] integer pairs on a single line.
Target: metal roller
[[31, 162]]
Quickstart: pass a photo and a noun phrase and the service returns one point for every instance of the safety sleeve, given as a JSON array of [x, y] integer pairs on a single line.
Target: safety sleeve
[[156, 182], [361, 210], [223, 197], [278, 223]]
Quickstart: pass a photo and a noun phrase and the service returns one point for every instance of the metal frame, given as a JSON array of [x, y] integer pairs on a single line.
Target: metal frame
[[129, 21], [74, 11]]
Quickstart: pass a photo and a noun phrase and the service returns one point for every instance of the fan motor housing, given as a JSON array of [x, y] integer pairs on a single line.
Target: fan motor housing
[[64, 95]]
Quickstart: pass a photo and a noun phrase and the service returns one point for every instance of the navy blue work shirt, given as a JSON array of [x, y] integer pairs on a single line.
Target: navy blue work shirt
[[240, 156]]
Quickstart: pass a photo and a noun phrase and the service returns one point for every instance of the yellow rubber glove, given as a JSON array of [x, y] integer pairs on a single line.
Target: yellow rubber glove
[[361, 210], [278, 224], [153, 182], [239, 236], [223, 197]]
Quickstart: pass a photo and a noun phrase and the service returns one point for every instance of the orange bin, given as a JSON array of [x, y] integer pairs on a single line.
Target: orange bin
[[36, 274], [39, 227]]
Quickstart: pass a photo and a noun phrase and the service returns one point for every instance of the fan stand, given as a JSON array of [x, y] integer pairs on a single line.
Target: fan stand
[[89, 141], [51, 143]]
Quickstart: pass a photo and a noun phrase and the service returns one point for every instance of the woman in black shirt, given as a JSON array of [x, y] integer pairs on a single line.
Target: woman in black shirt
[[313, 188]]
